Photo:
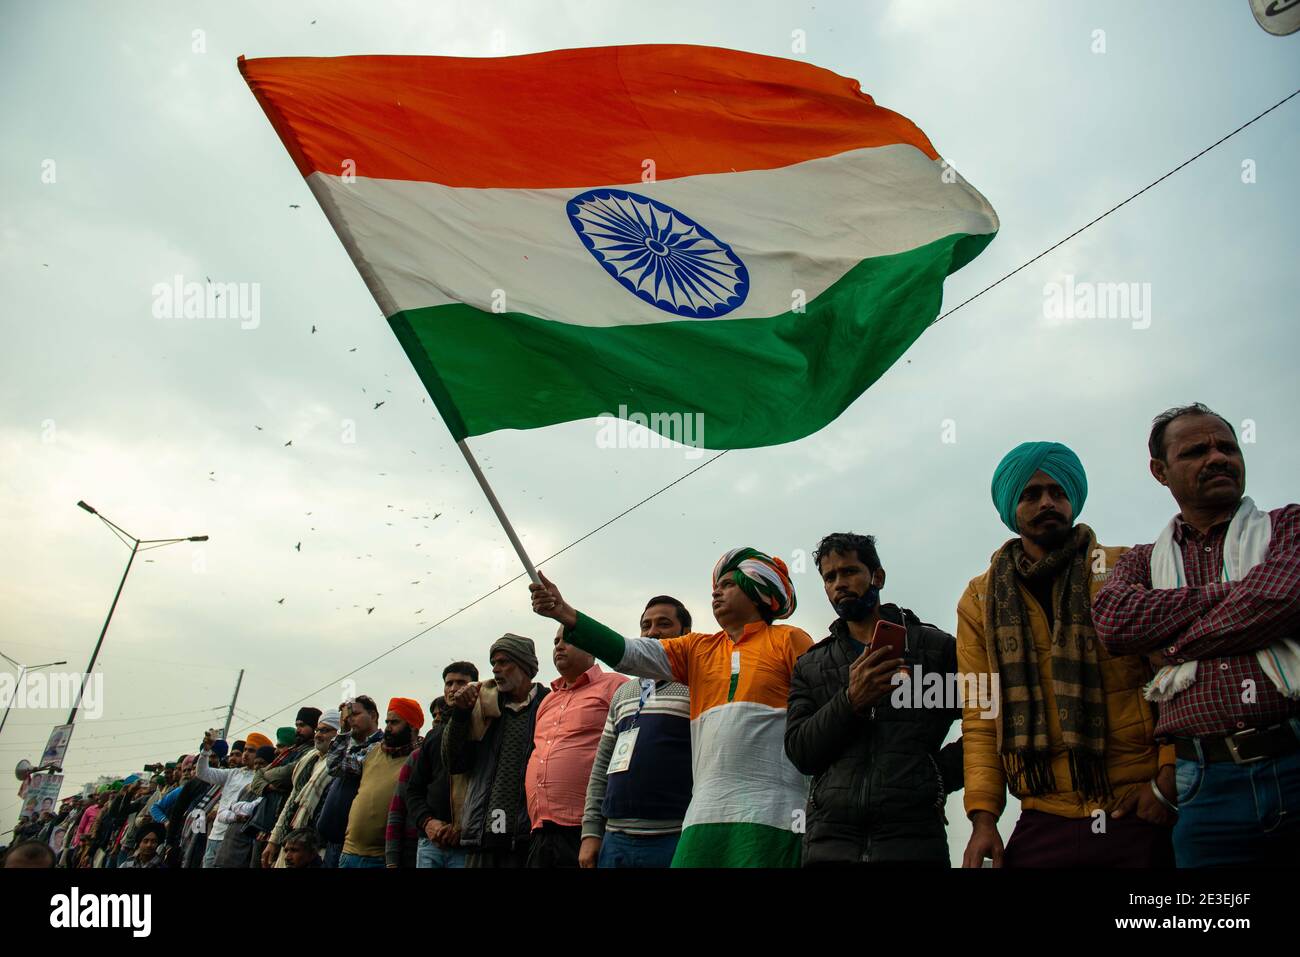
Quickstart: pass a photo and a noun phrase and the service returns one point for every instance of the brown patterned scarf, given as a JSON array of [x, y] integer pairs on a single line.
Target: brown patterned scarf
[[1076, 671]]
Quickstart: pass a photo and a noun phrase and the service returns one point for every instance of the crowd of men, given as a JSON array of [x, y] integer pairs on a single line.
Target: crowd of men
[[1142, 704]]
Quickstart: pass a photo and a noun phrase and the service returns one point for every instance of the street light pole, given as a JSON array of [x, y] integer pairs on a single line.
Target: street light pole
[[72, 715], [135, 547], [22, 670]]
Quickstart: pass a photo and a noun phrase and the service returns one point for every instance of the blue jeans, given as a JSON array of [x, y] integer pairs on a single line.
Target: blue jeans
[[626, 850], [430, 855], [1232, 815], [210, 853], [356, 860]]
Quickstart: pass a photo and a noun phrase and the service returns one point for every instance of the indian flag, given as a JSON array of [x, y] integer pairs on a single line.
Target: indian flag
[[659, 229]]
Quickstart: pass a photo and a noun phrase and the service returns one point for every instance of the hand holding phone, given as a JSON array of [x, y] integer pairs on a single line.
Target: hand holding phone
[[871, 677], [891, 636]]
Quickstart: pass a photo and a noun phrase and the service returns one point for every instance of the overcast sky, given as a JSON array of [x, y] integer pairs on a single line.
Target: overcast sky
[[164, 164]]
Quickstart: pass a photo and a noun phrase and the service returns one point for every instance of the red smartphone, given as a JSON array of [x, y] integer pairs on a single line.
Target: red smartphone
[[889, 635]]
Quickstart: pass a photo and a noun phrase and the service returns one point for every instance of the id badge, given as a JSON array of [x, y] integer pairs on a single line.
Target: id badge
[[624, 745]]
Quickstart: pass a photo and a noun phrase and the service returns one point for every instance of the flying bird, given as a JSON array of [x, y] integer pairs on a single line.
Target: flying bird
[[280, 602], [313, 330], [298, 547], [353, 349], [370, 609], [293, 205], [258, 427], [378, 404]]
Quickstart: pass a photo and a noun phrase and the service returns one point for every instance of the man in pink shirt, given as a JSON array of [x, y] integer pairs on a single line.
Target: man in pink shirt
[[570, 721]]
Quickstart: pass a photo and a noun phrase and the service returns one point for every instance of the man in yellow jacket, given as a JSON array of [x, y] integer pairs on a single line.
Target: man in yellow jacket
[[1065, 728]]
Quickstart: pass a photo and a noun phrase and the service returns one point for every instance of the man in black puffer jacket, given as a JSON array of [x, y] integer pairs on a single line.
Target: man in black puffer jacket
[[880, 773]]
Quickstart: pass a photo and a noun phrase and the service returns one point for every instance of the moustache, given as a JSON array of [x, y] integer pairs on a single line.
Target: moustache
[[1038, 520], [1215, 472]]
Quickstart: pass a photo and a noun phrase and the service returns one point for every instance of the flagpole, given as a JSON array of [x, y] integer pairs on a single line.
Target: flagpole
[[501, 515]]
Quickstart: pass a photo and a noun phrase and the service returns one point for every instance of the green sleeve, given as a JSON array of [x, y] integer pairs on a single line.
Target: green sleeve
[[592, 636]]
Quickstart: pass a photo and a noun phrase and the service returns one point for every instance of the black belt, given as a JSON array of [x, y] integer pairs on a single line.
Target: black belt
[[1244, 747]]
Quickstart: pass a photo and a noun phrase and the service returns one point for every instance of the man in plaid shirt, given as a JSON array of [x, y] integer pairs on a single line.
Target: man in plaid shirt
[[1236, 734]]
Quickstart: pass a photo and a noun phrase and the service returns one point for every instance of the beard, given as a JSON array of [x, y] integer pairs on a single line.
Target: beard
[[859, 608], [321, 746], [399, 740], [1051, 539]]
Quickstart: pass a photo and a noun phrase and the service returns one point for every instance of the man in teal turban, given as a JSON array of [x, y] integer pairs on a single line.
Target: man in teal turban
[[1067, 730], [1058, 462]]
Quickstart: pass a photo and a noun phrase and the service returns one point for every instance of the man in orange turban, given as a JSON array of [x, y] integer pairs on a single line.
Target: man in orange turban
[[364, 845]]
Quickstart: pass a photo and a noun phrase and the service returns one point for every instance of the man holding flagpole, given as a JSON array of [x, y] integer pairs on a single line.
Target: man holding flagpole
[[748, 801]]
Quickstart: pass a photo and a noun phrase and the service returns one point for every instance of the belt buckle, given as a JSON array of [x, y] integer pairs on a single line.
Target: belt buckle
[[1231, 742]]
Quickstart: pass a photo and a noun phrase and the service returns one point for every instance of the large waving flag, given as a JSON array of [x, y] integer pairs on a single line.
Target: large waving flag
[[667, 229]]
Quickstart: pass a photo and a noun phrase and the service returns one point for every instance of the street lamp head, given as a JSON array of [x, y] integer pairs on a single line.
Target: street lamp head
[[199, 538], [87, 508]]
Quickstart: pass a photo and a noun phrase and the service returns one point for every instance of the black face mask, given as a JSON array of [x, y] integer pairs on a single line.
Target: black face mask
[[859, 609]]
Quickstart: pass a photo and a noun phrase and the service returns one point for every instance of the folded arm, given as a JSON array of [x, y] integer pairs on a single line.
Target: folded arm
[[1132, 618], [1261, 608]]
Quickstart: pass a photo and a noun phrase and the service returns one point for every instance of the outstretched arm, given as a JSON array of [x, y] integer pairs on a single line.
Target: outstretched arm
[[643, 657]]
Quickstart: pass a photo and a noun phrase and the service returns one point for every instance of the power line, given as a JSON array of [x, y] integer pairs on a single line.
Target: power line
[[1186, 162], [489, 594], [687, 475]]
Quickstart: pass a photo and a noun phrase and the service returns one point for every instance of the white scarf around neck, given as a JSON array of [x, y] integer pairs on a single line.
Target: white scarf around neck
[[1244, 546]]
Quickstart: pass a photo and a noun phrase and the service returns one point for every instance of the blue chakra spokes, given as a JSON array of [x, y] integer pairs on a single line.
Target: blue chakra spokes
[[659, 254]]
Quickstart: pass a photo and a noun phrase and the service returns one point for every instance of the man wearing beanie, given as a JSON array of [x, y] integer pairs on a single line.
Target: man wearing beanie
[[1069, 732], [363, 846], [489, 737], [235, 758], [310, 775]]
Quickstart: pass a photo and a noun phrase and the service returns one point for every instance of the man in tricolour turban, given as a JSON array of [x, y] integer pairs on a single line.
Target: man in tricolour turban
[[747, 797]]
